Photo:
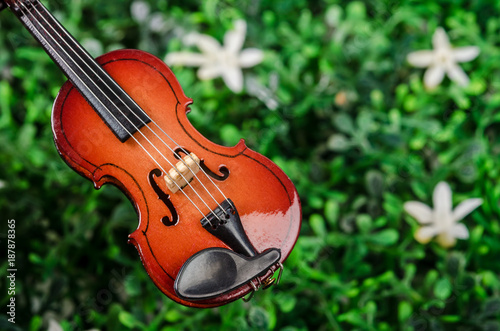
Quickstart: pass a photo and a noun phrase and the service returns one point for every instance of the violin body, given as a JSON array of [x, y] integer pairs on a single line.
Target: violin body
[[215, 222], [169, 230]]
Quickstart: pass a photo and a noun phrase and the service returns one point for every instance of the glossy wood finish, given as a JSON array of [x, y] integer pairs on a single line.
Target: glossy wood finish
[[264, 196]]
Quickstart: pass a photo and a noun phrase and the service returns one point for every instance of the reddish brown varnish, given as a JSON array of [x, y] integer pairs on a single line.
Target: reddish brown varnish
[[266, 199]]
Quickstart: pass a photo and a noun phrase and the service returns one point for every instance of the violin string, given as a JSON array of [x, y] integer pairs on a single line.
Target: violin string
[[154, 160], [168, 136], [180, 173], [152, 121]]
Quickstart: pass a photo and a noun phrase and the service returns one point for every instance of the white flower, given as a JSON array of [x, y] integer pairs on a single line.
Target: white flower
[[141, 13], [443, 220], [157, 23], [140, 10], [216, 60], [93, 46], [443, 59], [54, 325], [264, 94]]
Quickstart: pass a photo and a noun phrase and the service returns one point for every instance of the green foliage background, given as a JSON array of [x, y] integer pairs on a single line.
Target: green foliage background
[[355, 130]]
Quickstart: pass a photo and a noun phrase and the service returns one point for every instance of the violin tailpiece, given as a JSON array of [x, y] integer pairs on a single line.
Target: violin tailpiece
[[225, 224]]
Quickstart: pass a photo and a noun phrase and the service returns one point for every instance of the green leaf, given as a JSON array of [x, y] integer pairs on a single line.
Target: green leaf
[[36, 323], [35, 258], [451, 318], [385, 237], [410, 103], [26, 136], [318, 225], [370, 308], [365, 123], [455, 263], [374, 183], [442, 289], [404, 311], [356, 10], [344, 123], [364, 223], [287, 302], [431, 278], [377, 98], [230, 134], [333, 15], [5, 98], [332, 210], [338, 143], [173, 316], [315, 202], [127, 319], [258, 318]]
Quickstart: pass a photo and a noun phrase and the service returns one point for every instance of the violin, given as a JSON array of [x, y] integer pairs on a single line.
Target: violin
[[215, 223]]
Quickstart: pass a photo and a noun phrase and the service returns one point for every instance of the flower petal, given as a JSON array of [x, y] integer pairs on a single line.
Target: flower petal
[[420, 59], [156, 22], [466, 207], [185, 58], [250, 57], [459, 231], [457, 75], [209, 72], [420, 211], [441, 198], [433, 76], [465, 54], [440, 39], [205, 43], [233, 39], [425, 234], [54, 325], [446, 240], [140, 10], [233, 77]]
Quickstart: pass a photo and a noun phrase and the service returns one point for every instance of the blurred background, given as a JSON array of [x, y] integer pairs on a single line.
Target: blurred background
[[335, 103]]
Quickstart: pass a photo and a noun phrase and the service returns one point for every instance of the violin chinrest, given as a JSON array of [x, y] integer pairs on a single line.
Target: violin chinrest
[[215, 271]]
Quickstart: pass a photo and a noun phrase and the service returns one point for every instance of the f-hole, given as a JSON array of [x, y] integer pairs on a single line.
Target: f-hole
[[222, 169], [168, 221]]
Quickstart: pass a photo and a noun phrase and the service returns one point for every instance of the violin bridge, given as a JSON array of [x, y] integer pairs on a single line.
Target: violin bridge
[[182, 173]]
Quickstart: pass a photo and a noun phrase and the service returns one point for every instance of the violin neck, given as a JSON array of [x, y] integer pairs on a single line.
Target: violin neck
[[122, 115]]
